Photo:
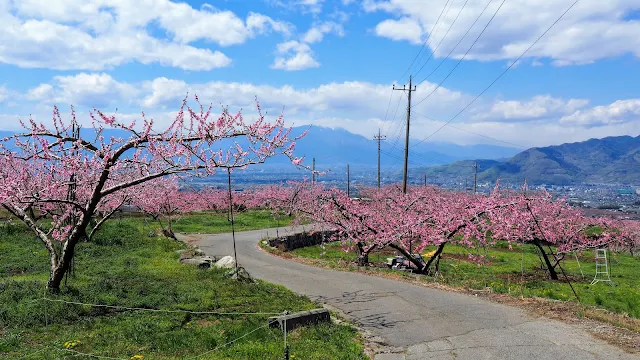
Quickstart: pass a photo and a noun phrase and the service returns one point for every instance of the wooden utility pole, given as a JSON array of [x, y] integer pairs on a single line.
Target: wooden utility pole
[[348, 183], [379, 138], [475, 177], [313, 172], [425, 179], [406, 140]]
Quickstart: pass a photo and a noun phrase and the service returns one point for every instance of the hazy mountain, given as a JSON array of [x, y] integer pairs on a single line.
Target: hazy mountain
[[337, 147], [609, 160]]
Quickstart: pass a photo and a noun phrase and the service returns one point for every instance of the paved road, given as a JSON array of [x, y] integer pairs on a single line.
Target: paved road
[[419, 322]]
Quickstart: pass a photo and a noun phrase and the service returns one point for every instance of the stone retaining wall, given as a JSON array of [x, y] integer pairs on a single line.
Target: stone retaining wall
[[291, 242]]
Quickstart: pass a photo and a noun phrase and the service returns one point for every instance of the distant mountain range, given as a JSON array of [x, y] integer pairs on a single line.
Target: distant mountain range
[[611, 160], [338, 147]]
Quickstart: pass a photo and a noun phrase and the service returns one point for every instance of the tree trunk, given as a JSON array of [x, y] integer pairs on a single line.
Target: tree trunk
[[552, 271], [435, 256], [57, 272], [420, 266], [363, 257]]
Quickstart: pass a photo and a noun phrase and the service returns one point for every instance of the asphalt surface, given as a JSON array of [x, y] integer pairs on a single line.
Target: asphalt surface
[[417, 322]]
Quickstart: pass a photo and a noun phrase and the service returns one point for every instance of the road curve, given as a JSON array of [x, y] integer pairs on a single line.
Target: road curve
[[418, 322]]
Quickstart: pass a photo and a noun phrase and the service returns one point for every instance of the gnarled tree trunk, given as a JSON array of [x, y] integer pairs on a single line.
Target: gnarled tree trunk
[[553, 275]]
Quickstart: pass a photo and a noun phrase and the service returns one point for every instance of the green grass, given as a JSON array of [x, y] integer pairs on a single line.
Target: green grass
[[124, 267], [504, 275], [213, 222]]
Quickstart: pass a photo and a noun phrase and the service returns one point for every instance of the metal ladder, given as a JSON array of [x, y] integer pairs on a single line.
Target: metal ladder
[[602, 267]]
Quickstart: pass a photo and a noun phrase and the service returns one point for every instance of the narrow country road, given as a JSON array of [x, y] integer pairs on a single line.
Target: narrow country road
[[419, 322]]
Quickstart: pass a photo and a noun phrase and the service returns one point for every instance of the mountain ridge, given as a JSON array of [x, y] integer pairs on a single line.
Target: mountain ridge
[[610, 160]]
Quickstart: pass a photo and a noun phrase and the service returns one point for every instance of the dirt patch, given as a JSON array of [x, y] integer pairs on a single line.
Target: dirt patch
[[192, 240]]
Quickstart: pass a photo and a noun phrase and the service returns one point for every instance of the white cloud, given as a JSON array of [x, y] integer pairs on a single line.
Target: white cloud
[[541, 106], [403, 29], [75, 34], [294, 55], [313, 7], [4, 94], [592, 30], [317, 31], [90, 90], [297, 55], [356, 106], [619, 112]]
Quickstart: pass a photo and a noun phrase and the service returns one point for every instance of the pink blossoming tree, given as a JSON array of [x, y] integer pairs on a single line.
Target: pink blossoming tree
[[54, 172]]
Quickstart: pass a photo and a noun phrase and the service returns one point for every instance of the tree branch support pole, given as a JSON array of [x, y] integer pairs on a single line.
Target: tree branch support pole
[[406, 139], [348, 183], [233, 227], [379, 138]]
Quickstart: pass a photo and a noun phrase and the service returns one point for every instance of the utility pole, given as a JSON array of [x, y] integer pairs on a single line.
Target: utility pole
[[348, 183], [425, 179], [313, 172], [475, 177], [406, 140], [379, 138], [233, 226]]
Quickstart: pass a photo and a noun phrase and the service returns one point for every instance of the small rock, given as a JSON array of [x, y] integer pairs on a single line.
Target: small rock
[[241, 275], [198, 252], [203, 262], [226, 262]]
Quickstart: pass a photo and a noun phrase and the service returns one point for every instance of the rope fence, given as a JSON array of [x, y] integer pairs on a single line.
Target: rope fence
[[160, 310], [78, 353]]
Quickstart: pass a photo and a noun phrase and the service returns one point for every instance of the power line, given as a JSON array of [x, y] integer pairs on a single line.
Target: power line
[[458, 43], [443, 37], [386, 113], [465, 54], [395, 114], [504, 72], [425, 41], [475, 133]]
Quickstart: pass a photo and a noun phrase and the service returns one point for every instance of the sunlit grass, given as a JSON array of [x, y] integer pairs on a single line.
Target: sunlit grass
[[125, 267]]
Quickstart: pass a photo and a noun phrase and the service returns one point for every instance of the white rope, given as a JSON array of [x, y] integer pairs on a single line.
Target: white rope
[[230, 342], [78, 353], [160, 310], [33, 353]]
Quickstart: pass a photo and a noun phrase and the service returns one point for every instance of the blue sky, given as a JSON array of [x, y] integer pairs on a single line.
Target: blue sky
[[333, 62]]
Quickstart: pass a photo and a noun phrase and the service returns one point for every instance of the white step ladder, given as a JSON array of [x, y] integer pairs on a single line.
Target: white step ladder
[[602, 267]]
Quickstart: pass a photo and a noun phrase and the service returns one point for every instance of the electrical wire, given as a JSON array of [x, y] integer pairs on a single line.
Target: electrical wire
[[502, 73], [462, 58], [443, 37], [425, 41], [458, 43]]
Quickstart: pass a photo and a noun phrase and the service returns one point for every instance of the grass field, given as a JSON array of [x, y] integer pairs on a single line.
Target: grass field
[[212, 222], [503, 273], [125, 267]]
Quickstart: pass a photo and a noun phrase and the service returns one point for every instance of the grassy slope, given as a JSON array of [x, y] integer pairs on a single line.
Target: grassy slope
[[504, 275], [213, 223], [126, 268]]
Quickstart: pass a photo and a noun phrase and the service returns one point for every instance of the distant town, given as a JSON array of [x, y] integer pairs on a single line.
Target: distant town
[[622, 201]]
